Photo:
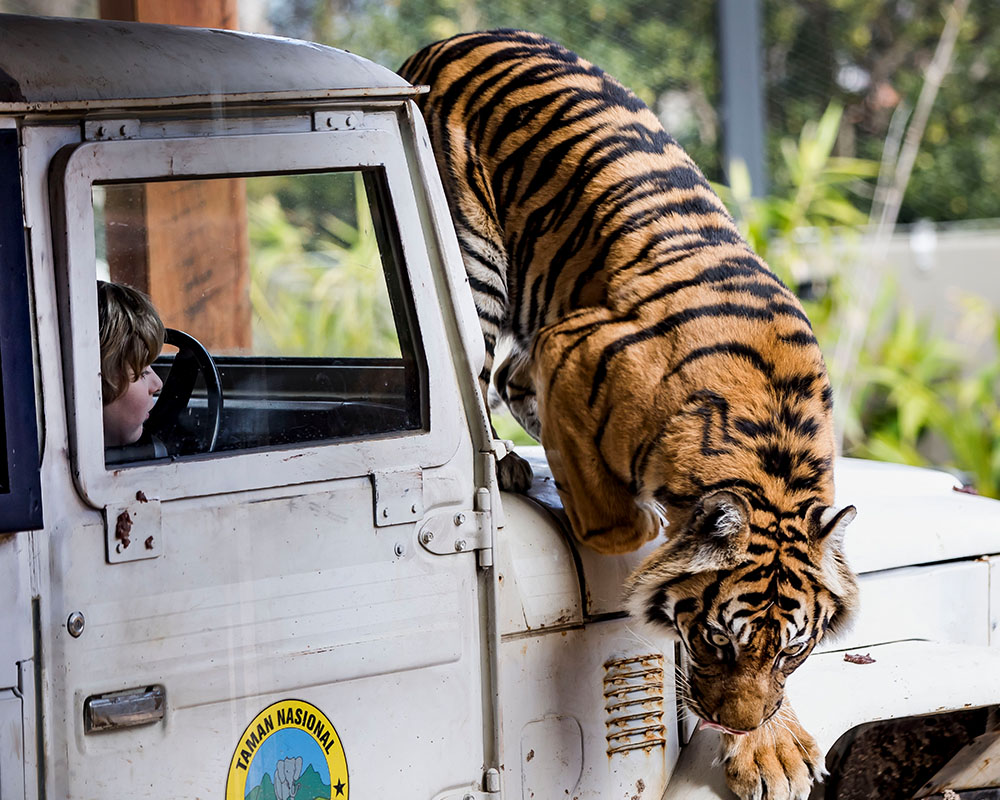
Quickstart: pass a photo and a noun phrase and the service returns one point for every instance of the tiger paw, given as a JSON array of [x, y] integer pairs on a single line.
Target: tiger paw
[[778, 761], [514, 473]]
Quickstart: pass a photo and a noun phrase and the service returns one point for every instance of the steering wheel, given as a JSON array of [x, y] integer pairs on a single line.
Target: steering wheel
[[186, 434]]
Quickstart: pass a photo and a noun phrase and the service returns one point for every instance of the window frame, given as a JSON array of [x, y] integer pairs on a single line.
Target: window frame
[[79, 167]]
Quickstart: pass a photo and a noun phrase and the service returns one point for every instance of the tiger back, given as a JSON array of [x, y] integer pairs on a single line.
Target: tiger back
[[673, 380]]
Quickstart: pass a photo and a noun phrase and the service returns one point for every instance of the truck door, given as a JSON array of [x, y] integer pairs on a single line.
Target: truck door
[[244, 606]]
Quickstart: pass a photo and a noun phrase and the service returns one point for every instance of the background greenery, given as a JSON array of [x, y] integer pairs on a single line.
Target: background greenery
[[836, 74], [911, 396], [867, 56]]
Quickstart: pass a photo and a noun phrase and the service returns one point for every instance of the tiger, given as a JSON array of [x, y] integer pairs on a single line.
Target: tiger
[[674, 381]]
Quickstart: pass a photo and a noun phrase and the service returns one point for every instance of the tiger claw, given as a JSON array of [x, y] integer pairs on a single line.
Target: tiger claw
[[777, 762]]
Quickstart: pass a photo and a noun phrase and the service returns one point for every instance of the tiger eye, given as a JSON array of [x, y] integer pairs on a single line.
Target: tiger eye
[[718, 639], [795, 649]]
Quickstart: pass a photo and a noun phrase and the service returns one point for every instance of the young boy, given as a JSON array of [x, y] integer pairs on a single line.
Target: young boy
[[131, 339]]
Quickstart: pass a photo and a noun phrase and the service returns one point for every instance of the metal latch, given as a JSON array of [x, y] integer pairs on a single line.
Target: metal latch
[[491, 786], [399, 496], [105, 712], [133, 531], [104, 130], [458, 531]]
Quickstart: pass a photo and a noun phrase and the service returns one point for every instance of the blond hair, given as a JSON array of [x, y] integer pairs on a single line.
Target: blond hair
[[131, 336]]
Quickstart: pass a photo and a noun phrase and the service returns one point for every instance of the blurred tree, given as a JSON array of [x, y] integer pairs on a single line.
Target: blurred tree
[[870, 56], [665, 51]]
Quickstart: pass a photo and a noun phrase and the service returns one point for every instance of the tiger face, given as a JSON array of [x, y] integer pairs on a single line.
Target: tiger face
[[749, 592]]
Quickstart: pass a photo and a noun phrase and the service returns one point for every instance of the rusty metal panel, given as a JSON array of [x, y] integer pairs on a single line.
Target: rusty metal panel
[[539, 582], [133, 530], [588, 712]]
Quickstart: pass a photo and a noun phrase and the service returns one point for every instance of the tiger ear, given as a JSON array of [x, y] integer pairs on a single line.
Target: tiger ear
[[720, 527], [832, 525]]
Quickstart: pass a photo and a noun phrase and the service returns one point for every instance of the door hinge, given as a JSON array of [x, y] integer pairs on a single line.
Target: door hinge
[[458, 531]]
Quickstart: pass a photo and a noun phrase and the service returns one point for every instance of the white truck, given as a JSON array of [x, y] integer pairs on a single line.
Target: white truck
[[304, 581]]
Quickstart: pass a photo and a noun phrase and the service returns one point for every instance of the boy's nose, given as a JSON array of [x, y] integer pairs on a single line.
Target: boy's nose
[[156, 385]]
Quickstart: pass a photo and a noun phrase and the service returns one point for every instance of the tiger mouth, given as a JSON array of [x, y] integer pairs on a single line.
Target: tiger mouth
[[715, 726]]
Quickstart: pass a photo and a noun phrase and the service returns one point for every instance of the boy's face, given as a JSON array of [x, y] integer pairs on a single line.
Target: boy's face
[[124, 417]]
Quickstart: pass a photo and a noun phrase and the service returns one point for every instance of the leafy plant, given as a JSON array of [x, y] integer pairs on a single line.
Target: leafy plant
[[819, 202], [316, 282], [918, 400], [923, 402]]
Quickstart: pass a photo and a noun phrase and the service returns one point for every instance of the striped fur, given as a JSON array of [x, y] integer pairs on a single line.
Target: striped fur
[[673, 380]]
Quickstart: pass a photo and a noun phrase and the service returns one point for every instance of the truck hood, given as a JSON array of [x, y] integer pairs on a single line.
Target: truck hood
[[907, 516]]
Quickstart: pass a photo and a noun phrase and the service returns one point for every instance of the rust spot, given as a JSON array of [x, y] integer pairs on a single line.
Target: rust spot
[[640, 785], [859, 659], [141, 496], [123, 527], [531, 755], [149, 542], [966, 489]]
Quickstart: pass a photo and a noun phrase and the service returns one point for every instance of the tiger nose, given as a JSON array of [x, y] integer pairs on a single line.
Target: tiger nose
[[747, 706]]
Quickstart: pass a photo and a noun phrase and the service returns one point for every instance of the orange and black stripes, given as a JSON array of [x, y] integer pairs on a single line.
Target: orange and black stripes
[[594, 241], [674, 381]]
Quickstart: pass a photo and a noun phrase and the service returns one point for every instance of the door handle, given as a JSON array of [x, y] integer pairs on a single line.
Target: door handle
[[127, 709]]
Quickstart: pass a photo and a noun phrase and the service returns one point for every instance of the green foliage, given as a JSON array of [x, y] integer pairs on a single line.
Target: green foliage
[[918, 399], [316, 282], [509, 428], [820, 199], [660, 50], [923, 402], [869, 56]]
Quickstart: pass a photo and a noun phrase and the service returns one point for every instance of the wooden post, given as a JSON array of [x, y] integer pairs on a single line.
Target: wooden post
[[197, 13], [186, 242]]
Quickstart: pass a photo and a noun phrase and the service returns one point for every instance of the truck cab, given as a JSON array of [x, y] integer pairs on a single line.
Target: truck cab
[[304, 578]]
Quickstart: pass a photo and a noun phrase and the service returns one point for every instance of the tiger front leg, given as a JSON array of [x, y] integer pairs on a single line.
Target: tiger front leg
[[779, 760]]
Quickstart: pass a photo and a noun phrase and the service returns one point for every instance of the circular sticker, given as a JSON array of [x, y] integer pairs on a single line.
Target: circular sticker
[[289, 750]]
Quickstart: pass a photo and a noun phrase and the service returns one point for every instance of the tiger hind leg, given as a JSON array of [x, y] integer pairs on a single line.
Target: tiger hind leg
[[514, 385], [486, 265]]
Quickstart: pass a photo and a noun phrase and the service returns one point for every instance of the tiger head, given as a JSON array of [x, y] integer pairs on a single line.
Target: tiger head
[[749, 591]]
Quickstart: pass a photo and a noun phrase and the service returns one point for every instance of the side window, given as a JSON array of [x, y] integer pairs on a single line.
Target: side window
[[20, 492], [293, 287]]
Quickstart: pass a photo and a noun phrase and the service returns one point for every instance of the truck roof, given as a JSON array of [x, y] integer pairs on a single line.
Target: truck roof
[[55, 63]]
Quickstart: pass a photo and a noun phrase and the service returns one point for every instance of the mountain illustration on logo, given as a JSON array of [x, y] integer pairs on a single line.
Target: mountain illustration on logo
[[310, 787]]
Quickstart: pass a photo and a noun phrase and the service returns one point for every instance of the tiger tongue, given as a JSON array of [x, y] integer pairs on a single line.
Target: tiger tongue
[[704, 723]]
